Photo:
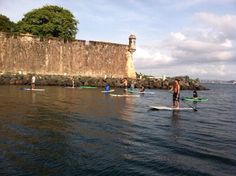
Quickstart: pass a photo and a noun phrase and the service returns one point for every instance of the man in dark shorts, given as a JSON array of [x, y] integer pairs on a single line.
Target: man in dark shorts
[[176, 93]]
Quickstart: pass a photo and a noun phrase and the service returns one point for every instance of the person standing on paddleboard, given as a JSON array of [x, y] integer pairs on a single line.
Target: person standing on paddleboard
[[142, 88], [125, 84], [176, 93], [73, 82], [33, 82]]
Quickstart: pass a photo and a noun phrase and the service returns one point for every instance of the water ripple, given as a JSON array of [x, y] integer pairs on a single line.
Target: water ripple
[[84, 132]]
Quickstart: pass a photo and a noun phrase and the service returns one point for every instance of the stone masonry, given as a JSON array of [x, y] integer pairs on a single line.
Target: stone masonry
[[26, 54]]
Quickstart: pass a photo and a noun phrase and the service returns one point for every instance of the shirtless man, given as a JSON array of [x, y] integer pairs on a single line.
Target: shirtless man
[[176, 93]]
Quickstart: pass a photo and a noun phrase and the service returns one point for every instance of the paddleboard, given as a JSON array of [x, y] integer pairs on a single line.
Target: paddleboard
[[32, 89], [152, 93], [70, 87], [169, 108], [136, 91], [107, 91], [197, 99], [87, 87], [131, 90], [124, 95]]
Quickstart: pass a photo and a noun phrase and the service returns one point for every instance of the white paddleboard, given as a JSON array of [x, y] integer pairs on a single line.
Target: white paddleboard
[[136, 91], [170, 108], [70, 87], [124, 95], [104, 91], [33, 89], [152, 93]]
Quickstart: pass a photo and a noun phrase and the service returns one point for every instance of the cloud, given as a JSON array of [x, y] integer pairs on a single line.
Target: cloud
[[219, 71], [204, 71], [205, 49], [179, 48], [150, 58], [186, 4], [195, 50], [178, 36], [225, 24]]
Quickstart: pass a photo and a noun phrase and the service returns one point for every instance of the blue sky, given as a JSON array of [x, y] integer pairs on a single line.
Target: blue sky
[[174, 37]]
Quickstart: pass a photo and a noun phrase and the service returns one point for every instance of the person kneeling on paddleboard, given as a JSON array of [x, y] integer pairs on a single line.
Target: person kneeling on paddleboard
[[195, 95], [107, 87]]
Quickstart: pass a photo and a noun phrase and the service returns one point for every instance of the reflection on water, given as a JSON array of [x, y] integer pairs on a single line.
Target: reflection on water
[[64, 131], [175, 115]]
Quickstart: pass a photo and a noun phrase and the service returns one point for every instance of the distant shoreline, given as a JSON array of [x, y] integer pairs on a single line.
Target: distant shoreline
[[217, 82]]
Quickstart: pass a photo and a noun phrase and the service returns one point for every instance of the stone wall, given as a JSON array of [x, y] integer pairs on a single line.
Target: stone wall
[[30, 54]]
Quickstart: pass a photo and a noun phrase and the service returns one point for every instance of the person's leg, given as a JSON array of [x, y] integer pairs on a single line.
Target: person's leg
[[32, 86], [174, 100], [177, 104], [177, 101]]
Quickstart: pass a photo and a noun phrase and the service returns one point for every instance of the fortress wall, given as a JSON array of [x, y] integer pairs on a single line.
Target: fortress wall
[[29, 54]]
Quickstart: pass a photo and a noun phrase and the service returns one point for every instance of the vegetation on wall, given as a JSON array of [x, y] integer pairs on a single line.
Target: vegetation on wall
[[48, 21], [6, 25]]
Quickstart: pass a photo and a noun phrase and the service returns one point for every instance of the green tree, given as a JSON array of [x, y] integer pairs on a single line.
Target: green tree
[[6, 25], [49, 21]]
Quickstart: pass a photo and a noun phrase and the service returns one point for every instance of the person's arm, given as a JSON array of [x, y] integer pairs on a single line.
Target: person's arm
[[178, 90], [171, 89]]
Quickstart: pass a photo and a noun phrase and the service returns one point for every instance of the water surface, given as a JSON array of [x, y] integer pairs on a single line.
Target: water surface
[[85, 132]]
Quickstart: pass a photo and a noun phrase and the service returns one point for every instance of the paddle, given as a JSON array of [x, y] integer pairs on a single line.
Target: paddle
[[194, 108]]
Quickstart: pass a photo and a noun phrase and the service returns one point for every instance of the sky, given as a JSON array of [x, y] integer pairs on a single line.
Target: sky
[[174, 37]]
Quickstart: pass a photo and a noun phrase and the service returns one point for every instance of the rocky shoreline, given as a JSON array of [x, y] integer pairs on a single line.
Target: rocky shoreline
[[61, 80]]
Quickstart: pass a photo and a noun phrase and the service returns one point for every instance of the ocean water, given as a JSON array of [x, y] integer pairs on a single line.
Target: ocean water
[[64, 131]]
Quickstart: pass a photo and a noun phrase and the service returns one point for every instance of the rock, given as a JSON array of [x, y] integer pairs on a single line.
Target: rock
[[61, 80]]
